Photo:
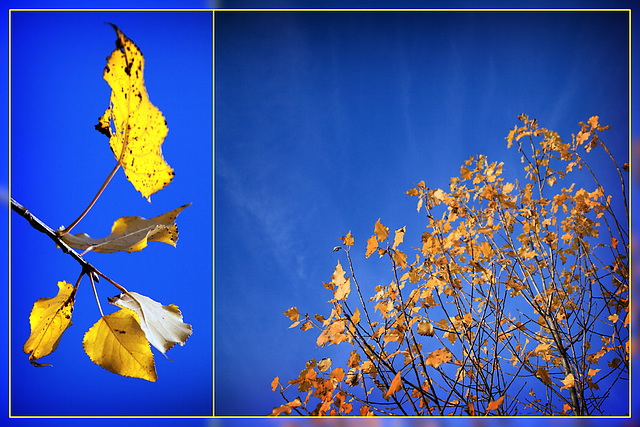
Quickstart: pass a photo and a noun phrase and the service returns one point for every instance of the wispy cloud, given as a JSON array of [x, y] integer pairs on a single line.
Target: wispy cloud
[[276, 217]]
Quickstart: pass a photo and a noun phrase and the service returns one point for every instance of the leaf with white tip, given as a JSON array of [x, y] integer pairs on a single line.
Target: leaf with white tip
[[162, 324]]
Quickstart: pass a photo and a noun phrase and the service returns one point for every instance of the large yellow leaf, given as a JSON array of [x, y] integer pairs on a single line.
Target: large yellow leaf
[[131, 234], [136, 128], [50, 317], [161, 324], [118, 344]]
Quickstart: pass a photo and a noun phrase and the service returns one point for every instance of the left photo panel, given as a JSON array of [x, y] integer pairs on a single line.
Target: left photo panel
[[111, 237]]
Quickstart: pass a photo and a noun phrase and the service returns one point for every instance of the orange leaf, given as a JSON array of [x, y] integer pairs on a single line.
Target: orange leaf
[[425, 328], [343, 285], [471, 409], [395, 386], [592, 372], [569, 381], [365, 411], [348, 239], [543, 375], [381, 231], [399, 238], [438, 357], [356, 317], [274, 383], [495, 404], [292, 314], [295, 403], [372, 245], [465, 173], [400, 258], [281, 409], [337, 374]]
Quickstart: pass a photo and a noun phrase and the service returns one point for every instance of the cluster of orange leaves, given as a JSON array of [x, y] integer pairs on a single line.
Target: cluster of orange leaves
[[467, 252]]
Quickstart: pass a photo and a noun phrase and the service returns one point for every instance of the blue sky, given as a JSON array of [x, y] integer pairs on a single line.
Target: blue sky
[[323, 121]]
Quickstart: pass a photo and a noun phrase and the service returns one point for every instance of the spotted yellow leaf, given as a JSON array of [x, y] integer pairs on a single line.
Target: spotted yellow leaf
[[136, 128]]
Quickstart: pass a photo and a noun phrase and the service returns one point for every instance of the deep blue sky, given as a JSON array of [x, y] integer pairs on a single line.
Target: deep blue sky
[[322, 122], [325, 119], [58, 162]]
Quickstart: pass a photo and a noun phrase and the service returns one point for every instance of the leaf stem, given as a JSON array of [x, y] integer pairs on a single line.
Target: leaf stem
[[95, 292], [104, 185]]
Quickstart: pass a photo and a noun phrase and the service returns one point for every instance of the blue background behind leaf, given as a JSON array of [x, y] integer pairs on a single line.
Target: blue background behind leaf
[[58, 162]]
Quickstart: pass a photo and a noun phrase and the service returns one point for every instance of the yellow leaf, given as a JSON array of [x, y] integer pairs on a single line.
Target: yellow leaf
[[118, 344], [400, 258], [49, 318], [372, 245], [451, 336], [425, 328], [613, 318], [592, 372], [396, 385], [569, 381], [131, 234], [292, 314], [492, 406], [324, 364], [542, 348], [508, 187], [399, 237], [343, 291], [348, 239], [438, 195], [342, 285], [161, 324], [381, 231], [465, 173], [438, 357], [332, 334], [139, 127]]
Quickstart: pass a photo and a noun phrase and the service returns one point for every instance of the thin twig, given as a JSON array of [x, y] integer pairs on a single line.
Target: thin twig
[[104, 185]]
